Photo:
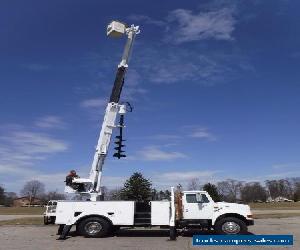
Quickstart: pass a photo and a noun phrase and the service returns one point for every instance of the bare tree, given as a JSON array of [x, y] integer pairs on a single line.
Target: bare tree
[[33, 189], [53, 195], [253, 191], [104, 192], [114, 194], [281, 187], [162, 195], [295, 185], [229, 189], [193, 184], [296, 191], [2, 196]]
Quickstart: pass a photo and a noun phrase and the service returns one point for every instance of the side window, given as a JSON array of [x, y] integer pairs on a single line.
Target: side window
[[204, 198], [191, 198]]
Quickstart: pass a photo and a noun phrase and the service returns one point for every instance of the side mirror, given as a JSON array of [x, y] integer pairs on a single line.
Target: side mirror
[[199, 198]]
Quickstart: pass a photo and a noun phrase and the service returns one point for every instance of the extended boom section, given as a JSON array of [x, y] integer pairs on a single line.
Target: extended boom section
[[92, 185]]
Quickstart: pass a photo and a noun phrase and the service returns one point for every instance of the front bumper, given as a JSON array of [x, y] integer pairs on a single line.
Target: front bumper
[[49, 220]]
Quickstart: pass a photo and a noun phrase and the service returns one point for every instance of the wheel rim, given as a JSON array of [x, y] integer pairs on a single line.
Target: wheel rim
[[93, 227], [231, 227]]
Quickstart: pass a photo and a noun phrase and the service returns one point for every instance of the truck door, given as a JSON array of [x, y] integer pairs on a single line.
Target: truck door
[[197, 206]]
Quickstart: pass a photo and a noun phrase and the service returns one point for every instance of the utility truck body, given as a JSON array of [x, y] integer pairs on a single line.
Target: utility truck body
[[187, 209]]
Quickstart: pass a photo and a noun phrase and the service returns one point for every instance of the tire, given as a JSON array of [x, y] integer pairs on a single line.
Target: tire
[[230, 225], [46, 221], [115, 229], [94, 227]]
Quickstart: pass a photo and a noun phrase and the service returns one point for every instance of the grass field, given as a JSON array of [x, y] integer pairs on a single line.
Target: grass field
[[21, 210], [276, 205], [277, 216], [23, 221]]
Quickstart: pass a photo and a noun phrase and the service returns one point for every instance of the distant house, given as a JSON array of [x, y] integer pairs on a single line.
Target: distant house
[[278, 199], [25, 202], [282, 199]]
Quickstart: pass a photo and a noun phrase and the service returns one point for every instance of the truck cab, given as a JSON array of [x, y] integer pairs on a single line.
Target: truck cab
[[199, 209]]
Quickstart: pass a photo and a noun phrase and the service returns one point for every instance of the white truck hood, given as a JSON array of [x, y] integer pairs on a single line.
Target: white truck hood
[[233, 207]]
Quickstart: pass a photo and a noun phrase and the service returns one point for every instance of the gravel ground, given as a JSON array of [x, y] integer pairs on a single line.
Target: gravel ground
[[44, 238]]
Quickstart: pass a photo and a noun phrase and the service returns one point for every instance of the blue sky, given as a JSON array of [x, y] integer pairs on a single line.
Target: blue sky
[[214, 85]]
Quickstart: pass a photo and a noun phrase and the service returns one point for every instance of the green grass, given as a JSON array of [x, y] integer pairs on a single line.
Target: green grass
[[276, 205], [23, 221], [277, 216], [21, 210]]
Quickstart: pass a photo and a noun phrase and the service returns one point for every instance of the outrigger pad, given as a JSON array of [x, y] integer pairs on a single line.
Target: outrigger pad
[[173, 233], [65, 231], [60, 229]]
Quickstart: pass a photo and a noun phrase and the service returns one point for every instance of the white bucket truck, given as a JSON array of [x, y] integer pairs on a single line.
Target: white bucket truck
[[96, 218]]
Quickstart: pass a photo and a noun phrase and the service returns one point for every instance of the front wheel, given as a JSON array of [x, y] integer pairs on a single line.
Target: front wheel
[[94, 227], [230, 225]]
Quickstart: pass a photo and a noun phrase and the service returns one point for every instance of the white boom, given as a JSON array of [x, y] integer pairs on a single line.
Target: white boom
[[93, 183]]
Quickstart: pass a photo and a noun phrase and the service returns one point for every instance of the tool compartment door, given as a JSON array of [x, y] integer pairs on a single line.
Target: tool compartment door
[[160, 213]]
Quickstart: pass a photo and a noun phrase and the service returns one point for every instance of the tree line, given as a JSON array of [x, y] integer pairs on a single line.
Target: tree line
[[231, 190], [139, 188], [33, 190]]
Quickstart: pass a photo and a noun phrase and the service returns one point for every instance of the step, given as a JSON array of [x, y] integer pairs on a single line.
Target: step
[[142, 220], [142, 215], [142, 224]]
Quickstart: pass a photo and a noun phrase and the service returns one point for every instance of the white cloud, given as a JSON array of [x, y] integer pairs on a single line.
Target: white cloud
[[283, 175], [173, 65], [94, 103], [36, 66], [186, 175], [167, 179], [216, 20], [132, 87], [20, 150], [50, 121], [217, 24], [113, 181], [202, 133], [35, 143], [146, 19], [165, 137], [153, 153], [286, 165]]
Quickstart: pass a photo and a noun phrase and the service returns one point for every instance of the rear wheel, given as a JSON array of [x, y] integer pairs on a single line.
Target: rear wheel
[[94, 227], [230, 225]]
